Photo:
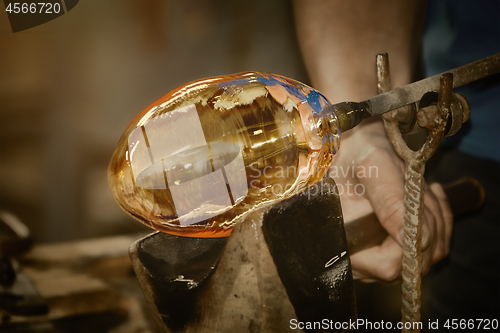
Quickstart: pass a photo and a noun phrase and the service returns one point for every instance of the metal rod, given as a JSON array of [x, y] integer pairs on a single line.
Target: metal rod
[[412, 245], [412, 92], [351, 114], [413, 202]]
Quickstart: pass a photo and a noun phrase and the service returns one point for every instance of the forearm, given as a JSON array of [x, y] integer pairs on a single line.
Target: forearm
[[340, 38], [339, 41]]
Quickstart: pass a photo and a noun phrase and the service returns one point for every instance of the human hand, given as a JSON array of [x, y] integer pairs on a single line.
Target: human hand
[[370, 178]]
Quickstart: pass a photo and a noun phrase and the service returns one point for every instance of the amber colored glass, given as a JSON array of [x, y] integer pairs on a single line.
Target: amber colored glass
[[209, 152]]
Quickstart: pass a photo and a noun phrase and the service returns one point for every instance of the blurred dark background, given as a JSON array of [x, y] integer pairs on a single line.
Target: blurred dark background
[[69, 87]]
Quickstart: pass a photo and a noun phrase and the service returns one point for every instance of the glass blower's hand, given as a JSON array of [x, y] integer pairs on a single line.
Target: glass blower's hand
[[370, 178]]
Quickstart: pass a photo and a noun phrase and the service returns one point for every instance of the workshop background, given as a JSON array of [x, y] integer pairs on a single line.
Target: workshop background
[[68, 89]]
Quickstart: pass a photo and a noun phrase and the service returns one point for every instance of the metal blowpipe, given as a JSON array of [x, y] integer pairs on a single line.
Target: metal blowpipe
[[351, 114]]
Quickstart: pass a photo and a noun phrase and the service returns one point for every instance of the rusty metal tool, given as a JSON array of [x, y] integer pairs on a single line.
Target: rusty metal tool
[[434, 118]]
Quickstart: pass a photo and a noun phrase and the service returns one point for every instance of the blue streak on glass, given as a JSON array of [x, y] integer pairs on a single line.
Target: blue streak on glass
[[313, 100], [291, 89]]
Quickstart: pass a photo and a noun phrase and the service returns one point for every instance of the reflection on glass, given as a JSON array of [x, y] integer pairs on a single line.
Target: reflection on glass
[[210, 151]]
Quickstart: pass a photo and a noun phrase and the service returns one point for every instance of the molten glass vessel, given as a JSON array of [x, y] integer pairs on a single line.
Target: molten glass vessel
[[209, 152]]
